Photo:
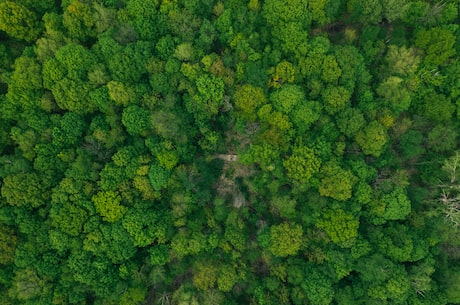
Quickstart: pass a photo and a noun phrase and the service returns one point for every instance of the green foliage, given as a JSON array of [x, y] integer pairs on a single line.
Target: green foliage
[[336, 183], [133, 296], [442, 138], [26, 285], [8, 242], [301, 164], [350, 121], [286, 98], [69, 218], [402, 60], [393, 92], [285, 239], [227, 278], [372, 139], [108, 206], [147, 226], [367, 11], [229, 152], [335, 99], [304, 114], [142, 15], [79, 19], [24, 190], [136, 120], [18, 21], [110, 241], [318, 288], [284, 206], [158, 176], [392, 206], [186, 243], [70, 130], [248, 99], [341, 227], [211, 91], [438, 44], [277, 11]]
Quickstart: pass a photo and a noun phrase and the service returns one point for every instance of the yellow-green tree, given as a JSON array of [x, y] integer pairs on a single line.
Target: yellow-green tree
[[18, 21], [285, 239], [372, 138], [337, 182], [248, 99], [301, 164], [108, 205], [340, 226]]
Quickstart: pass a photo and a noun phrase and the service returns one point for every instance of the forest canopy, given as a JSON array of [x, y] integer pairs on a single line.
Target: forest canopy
[[263, 152]]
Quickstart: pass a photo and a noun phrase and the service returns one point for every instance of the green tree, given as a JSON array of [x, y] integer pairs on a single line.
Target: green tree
[[372, 138], [136, 120], [397, 205], [158, 176], [367, 11], [437, 107], [317, 287], [284, 206], [301, 164], [335, 99], [110, 241], [277, 11], [442, 138], [227, 278], [79, 18], [304, 115], [144, 17], [27, 285], [160, 255], [291, 38], [18, 21], [393, 92], [394, 10], [394, 205], [146, 225], [133, 296], [68, 217], [340, 226], [185, 243], [70, 130], [27, 74], [108, 205], [287, 97], [66, 76], [248, 99], [8, 243], [336, 183], [331, 71], [350, 121], [411, 144], [133, 55], [285, 239], [205, 276], [402, 60], [99, 274], [438, 44], [211, 92], [26, 190], [120, 93]]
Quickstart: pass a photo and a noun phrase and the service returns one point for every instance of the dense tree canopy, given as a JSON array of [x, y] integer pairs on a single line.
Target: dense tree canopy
[[210, 152]]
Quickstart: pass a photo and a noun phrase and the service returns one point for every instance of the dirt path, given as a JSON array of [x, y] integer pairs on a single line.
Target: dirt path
[[226, 185], [227, 157]]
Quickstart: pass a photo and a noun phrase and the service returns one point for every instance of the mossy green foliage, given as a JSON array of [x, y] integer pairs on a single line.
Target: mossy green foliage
[[229, 152]]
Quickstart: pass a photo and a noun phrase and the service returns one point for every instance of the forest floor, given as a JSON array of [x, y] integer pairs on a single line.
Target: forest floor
[[226, 185]]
